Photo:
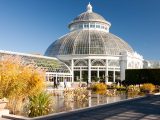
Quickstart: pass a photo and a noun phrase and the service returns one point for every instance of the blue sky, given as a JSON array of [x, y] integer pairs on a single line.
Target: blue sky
[[30, 26]]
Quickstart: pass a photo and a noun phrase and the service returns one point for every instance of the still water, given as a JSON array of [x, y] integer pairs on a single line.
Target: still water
[[61, 105]]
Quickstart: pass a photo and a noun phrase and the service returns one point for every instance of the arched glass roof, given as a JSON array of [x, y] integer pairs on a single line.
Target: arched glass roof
[[94, 42], [49, 64]]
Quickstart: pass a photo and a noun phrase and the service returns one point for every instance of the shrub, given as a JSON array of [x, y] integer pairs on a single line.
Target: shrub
[[101, 92], [147, 87], [19, 80], [113, 85], [133, 88], [121, 88], [41, 104], [98, 86], [116, 86]]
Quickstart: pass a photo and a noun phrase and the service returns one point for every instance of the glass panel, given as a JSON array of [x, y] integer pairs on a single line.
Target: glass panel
[[96, 43], [76, 76], [97, 26], [82, 43], [94, 76], [110, 76], [86, 26], [102, 76], [117, 76], [81, 26], [92, 25], [85, 76]]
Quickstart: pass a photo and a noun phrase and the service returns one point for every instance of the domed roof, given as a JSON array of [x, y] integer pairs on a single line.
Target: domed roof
[[89, 16], [88, 42]]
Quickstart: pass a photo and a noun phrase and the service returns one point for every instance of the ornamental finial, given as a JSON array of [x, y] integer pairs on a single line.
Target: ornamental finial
[[89, 7]]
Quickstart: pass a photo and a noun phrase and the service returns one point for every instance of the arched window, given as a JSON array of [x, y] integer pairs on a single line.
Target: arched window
[[98, 63], [81, 63], [113, 63]]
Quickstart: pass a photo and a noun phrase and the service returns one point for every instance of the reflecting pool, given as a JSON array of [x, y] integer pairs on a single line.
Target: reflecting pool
[[92, 99]]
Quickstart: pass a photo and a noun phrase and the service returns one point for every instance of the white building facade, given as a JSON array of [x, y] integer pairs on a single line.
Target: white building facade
[[92, 52]]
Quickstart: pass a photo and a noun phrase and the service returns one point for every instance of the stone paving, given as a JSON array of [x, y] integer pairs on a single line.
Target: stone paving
[[147, 108]]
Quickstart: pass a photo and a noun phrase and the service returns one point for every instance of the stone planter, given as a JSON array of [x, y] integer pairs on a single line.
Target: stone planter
[[3, 103]]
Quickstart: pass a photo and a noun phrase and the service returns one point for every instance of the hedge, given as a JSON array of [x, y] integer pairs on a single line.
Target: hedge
[[141, 76]]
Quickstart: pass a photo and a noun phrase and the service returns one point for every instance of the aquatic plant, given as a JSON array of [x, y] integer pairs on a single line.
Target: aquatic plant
[[78, 94], [41, 104]]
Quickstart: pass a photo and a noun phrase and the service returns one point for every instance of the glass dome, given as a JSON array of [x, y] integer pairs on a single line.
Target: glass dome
[[89, 36], [88, 42]]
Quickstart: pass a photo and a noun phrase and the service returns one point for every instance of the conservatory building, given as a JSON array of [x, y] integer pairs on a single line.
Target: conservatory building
[[92, 52], [55, 69]]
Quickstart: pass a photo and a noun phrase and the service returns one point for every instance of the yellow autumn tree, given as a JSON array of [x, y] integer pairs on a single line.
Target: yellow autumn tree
[[18, 80]]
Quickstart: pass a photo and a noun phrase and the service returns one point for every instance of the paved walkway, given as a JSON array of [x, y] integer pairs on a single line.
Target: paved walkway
[[143, 109]]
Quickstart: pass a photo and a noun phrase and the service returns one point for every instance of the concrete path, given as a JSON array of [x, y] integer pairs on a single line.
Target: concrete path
[[147, 108]]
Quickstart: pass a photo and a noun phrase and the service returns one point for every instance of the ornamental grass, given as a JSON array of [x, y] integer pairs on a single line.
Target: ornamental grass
[[41, 104]]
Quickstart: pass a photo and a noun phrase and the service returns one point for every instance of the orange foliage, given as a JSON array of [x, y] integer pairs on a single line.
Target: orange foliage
[[148, 87], [99, 86], [19, 80]]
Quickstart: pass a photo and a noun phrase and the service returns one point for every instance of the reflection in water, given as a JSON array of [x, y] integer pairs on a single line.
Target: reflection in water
[[61, 104]]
